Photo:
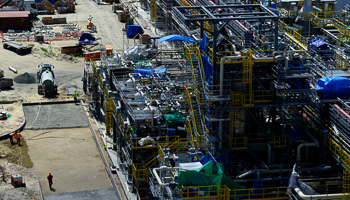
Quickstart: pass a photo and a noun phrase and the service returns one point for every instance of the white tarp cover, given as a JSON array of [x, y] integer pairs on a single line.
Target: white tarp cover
[[132, 53], [190, 166]]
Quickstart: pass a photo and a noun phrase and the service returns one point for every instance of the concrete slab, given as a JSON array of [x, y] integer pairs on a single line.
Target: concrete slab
[[105, 194], [71, 156], [52, 115]]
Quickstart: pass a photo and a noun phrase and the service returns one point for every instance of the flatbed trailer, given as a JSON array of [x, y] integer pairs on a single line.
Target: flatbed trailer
[[17, 46]]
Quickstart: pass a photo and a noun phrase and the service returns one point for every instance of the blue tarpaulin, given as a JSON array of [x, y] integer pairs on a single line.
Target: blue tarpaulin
[[39, 1], [205, 159], [87, 38], [145, 72], [176, 38], [208, 68], [203, 43], [133, 30], [332, 87]]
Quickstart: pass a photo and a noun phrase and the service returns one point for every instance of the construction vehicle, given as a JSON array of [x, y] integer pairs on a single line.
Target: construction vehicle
[[5, 83], [91, 25], [20, 48], [46, 79]]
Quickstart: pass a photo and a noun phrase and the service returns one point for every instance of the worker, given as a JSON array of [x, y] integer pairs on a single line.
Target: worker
[[12, 135], [18, 136], [75, 97], [49, 178]]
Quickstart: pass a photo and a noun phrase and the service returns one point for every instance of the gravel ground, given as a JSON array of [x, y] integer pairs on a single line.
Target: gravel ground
[[50, 116]]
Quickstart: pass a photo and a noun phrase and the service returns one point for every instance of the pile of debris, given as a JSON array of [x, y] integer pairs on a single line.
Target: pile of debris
[[46, 5], [25, 78]]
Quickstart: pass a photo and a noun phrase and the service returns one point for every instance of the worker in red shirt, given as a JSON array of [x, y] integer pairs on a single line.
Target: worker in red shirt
[[18, 136], [12, 135], [49, 178]]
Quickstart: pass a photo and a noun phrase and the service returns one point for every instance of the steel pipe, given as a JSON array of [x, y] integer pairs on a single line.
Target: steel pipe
[[319, 196]]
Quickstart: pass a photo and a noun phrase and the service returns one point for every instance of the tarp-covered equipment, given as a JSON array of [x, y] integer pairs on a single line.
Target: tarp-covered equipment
[[176, 38], [175, 118], [133, 30], [87, 38], [332, 87]]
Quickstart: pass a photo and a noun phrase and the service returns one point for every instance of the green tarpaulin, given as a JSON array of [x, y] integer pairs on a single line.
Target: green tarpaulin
[[175, 118], [208, 174]]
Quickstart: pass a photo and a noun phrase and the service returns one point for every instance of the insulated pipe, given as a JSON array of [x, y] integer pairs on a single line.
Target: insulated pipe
[[269, 149], [157, 176], [263, 58], [319, 196], [222, 62], [13, 69], [313, 144], [269, 152]]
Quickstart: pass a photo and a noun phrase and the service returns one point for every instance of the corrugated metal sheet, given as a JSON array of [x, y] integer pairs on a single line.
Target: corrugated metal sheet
[[14, 14]]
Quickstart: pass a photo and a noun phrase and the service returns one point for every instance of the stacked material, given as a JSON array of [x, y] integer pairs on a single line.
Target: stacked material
[[46, 5], [68, 4]]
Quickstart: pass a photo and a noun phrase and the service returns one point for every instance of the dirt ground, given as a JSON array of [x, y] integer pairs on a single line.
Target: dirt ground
[[70, 154], [8, 191]]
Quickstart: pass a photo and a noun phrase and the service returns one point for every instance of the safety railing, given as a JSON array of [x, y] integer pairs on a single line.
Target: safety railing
[[340, 60], [263, 54], [258, 193], [148, 143], [247, 77], [113, 105], [223, 192], [120, 121], [346, 182], [343, 29], [281, 140], [262, 96], [139, 173], [200, 88], [150, 161], [188, 98], [239, 143], [189, 130]]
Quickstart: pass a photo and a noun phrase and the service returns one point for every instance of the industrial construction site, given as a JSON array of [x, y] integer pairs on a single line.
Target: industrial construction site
[[174, 99]]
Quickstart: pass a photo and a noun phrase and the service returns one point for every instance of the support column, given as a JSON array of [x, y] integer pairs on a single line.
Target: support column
[[275, 22]]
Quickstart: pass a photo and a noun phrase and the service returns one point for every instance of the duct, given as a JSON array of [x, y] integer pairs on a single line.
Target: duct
[[154, 170], [319, 196], [307, 8], [263, 58], [313, 144], [222, 62], [293, 51]]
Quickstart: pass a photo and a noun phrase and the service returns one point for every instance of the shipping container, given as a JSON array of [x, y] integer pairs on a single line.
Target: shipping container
[[16, 20]]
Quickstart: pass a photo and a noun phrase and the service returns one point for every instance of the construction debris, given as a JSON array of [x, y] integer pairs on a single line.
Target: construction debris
[[25, 78]]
